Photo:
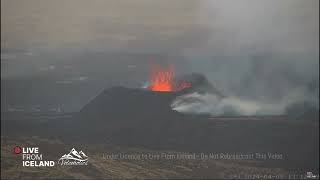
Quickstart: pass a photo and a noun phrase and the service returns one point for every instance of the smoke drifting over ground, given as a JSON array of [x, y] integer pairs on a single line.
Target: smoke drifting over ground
[[196, 103], [258, 85], [290, 97], [264, 56], [277, 93]]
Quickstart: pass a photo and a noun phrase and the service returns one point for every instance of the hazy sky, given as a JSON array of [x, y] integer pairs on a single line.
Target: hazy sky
[[108, 24], [223, 27]]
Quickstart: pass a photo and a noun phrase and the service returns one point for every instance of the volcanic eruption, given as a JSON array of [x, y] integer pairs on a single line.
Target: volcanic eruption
[[163, 80]]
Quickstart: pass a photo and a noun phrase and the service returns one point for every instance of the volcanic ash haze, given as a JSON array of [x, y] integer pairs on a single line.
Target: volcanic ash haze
[[263, 55]]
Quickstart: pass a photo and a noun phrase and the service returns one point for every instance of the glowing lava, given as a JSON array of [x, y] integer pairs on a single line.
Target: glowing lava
[[162, 80]]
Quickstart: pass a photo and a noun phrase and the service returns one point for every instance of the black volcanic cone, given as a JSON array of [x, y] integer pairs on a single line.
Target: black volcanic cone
[[123, 113], [121, 103], [136, 115]]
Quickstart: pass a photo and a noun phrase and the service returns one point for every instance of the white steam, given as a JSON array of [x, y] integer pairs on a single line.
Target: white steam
[[196, 103], [263, 56]]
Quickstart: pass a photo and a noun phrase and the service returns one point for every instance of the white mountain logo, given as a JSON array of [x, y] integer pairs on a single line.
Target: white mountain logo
[[74, 158]]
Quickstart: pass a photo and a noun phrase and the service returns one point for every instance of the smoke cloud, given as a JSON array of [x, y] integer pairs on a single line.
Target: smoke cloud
[[196, 103], [208, 103], [263, 55]]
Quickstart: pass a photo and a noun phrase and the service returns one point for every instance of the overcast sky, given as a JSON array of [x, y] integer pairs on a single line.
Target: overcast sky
[[223, 27]]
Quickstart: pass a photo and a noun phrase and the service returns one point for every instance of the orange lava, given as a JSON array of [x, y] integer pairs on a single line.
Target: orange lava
[[162, 80]]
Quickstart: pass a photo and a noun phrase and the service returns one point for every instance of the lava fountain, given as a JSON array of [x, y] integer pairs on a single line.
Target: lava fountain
[[162, 80]]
